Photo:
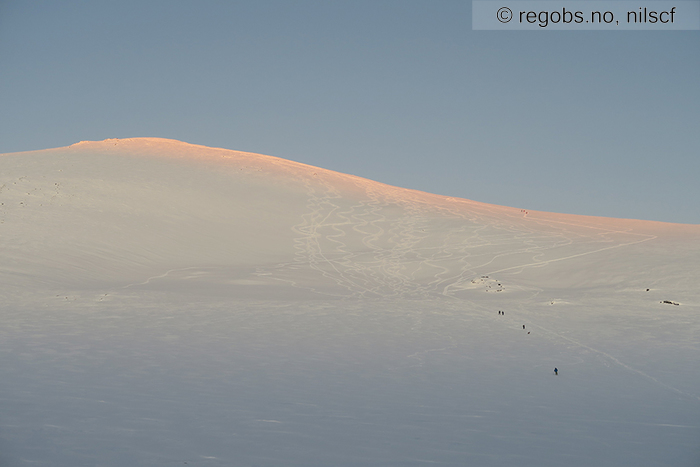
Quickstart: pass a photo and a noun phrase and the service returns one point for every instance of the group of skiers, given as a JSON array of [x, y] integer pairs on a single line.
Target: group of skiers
[[502, 313]]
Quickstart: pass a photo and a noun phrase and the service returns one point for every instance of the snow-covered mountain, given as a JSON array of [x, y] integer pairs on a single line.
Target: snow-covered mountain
[[292, 315], [117, 212]]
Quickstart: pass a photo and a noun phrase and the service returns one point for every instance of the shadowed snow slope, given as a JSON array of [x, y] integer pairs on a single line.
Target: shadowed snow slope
[[163, 304]]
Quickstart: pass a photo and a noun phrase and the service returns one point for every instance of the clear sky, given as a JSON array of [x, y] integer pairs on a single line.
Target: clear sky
[[403, 92]]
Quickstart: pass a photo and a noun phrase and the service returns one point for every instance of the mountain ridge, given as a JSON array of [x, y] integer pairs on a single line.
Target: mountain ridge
[[171, 148]]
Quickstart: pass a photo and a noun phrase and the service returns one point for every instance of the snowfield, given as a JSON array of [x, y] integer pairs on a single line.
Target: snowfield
[[166, 304]]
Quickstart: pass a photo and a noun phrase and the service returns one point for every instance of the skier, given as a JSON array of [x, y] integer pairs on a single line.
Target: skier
[[556, 372], [523, 326]]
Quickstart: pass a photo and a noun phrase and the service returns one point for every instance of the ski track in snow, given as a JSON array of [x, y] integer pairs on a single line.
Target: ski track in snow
[[614, 359], [402, 256], [400, 253], [395, 242], [391, 244], [162, 276]]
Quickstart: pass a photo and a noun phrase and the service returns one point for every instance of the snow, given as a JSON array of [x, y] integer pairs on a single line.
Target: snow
[[169, 304]]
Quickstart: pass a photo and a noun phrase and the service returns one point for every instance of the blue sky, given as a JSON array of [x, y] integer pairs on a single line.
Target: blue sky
[[403, 92]]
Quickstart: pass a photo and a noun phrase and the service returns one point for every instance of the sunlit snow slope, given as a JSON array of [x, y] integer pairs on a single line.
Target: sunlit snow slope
[[144, 212]]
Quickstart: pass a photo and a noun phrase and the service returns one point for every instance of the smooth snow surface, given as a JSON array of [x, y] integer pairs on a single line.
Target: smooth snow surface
[[167, 304]]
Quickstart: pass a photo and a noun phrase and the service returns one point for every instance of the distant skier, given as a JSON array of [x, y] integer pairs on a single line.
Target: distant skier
[[523, 326], [556, 372]]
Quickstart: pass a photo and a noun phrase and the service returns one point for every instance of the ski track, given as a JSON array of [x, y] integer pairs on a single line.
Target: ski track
[[394, 254], [161, 276], [397, 253], [617, 361]]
